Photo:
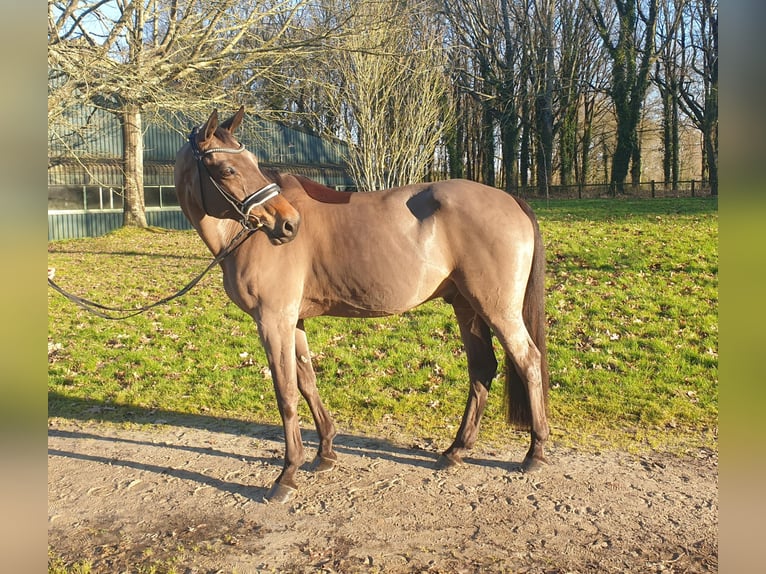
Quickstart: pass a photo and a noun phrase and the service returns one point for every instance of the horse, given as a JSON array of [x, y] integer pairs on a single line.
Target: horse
[[296, 249]]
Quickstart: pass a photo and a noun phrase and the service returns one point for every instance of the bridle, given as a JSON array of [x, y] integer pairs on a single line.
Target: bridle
[[242, 207]]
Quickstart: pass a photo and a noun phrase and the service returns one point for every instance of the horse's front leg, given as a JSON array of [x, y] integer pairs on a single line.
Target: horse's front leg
[[278, 338], [307, 384]]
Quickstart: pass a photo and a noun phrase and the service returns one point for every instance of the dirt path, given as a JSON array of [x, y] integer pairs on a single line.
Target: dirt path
[[191, 498]]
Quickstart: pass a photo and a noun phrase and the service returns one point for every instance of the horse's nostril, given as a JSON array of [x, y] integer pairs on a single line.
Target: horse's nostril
[[288, 228]]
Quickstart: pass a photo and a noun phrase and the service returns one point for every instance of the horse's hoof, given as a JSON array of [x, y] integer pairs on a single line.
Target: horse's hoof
[[322, 464], [280, 493], [448, 462], [533, 464]]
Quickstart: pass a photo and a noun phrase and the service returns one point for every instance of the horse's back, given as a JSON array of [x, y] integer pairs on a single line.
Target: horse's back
[[442, 221], [478, 218], [470, 197]]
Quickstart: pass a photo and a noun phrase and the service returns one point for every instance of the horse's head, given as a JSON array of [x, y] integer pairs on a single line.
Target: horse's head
[[232, 186]]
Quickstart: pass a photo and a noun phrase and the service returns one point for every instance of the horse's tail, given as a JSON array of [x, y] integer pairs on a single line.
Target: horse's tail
[[517, 406]]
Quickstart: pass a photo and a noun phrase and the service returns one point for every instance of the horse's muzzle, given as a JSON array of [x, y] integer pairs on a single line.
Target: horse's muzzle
[[285, 229], [288, 229]]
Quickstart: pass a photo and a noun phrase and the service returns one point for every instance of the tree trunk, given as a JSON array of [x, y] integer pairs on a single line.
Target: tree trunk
[[134, 210], [635, 165], [667, 139], [544, 100], [622, 153], [711, 103], [524, 151], [711, 153], [589, 106], [631, 63], [544, 117], [568, 145], [675, 168], [455, 142], [487, 152], [670, 128], [509, 133]]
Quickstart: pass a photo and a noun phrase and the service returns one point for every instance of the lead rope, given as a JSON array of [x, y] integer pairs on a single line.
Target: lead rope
[[102, 310]]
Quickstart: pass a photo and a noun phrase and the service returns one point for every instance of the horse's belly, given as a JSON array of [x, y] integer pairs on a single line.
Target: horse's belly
[[390, 295], [384, 270]]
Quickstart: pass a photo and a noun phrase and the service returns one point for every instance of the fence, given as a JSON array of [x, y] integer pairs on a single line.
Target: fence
[[78, 223], [651, 189], [91, 210]]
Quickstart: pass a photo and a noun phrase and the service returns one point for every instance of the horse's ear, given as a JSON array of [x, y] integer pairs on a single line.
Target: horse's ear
[[234, 121], [207, 131]]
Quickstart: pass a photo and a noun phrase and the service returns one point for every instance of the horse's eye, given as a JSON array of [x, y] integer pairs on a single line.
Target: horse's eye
[[228, 171]]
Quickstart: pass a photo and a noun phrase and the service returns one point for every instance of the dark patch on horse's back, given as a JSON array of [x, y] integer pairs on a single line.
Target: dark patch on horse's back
[[423, 204], [322, 193]]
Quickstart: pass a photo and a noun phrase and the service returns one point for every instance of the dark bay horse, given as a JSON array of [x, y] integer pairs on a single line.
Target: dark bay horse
[[324, 252]]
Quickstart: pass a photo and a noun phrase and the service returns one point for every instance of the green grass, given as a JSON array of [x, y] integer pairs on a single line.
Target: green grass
[[633, 338], [57, 565], [633, 314]]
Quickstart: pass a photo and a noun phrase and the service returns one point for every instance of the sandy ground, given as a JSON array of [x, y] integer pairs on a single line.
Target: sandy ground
[[191, 498]]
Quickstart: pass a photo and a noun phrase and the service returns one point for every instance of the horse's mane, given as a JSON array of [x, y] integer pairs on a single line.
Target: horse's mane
[[313, 189]]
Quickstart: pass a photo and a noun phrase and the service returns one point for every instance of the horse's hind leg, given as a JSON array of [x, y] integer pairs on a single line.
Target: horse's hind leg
[[326, 456], [530, 408], [482, 368]]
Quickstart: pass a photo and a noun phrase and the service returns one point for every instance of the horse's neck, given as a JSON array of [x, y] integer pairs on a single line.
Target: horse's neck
[[216, 233]]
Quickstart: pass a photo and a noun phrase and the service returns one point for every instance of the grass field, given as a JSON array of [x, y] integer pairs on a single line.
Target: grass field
[[633, 337]]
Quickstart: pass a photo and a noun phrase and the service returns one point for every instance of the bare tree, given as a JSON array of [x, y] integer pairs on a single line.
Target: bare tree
[[666, 77], [699, 79], [543, 78], [594, 109], [387, 91], [627, 29], [490, 40], [578, 56], [530, 64], [133, 58]]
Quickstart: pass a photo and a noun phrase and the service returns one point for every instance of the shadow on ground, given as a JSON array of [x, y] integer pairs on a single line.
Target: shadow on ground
[[85, 410]]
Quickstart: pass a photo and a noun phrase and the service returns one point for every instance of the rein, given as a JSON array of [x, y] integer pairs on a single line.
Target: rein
[[104, 311], [242, 207]]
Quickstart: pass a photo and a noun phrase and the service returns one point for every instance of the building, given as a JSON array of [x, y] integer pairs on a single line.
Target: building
[[85, 180]]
